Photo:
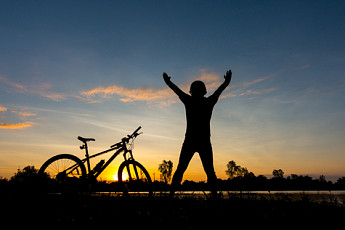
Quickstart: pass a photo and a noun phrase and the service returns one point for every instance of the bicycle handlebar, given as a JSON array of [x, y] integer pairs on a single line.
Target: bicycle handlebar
[[126, 139], [136, 131]]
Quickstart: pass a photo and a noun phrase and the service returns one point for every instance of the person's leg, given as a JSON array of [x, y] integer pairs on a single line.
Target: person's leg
[[206, 155], [185, 157]]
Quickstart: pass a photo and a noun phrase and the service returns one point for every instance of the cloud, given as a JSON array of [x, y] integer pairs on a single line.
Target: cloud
[[42, 89], [3, 108], [165, 96], [12, 84], [257, 92], [241, 89], [129, 95], [16, 126], [24, 113], [161, 97], [253, 82], [212, 81], [18, 115]]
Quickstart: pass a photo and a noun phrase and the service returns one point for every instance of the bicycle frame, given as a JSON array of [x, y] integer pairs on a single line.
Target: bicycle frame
[[120, 147]]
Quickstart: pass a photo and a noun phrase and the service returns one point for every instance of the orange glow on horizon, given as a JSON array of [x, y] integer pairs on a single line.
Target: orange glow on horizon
[[124, 176]]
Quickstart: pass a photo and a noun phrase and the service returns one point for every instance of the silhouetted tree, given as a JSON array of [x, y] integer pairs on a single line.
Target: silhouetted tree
[[27, 174], [293, 177], [278, 173], [166, 169], [243, 172], [340, 184], [29, 180], [322, 179], [236, 170], [232, 169]]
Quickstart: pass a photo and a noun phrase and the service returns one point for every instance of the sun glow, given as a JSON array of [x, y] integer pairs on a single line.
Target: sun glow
[[115, 177], [124, 176]]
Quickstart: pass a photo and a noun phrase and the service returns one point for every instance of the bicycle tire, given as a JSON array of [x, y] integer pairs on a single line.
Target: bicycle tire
[[138, 185], [74, 160]]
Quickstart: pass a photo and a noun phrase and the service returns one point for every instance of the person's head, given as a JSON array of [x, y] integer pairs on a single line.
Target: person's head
[[198, 89]]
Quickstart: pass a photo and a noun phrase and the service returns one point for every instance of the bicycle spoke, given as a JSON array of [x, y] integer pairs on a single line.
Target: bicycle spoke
[[63, 165]]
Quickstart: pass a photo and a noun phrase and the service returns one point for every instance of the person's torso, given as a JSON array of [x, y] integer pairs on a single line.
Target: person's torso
[[198, 114]]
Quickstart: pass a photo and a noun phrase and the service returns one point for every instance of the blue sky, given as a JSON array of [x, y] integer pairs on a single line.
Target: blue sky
[[93, 68]]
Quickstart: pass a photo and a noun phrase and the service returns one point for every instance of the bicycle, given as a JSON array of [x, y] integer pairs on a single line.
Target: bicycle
[[66, 167]]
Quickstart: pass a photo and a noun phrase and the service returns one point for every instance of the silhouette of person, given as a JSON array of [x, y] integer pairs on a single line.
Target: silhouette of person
[[198, 134]]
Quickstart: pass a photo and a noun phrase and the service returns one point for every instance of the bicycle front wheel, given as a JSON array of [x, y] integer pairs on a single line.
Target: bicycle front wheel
[[135, 178], [64, 168]]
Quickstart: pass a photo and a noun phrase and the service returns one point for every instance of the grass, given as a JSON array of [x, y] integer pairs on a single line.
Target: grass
[[160, 212]]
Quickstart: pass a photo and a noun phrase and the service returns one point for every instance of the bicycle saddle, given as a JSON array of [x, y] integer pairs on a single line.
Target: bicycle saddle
[[85, 139]]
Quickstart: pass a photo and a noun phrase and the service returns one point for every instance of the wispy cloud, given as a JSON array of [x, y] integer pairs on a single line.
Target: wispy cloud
[[3, 108], [24, 113], [41, 89], [128, 95], [243, 89], [253, 82], [165, 96], [17, 86], [257, 92], [44, 90], [14, 114], [16, 126]]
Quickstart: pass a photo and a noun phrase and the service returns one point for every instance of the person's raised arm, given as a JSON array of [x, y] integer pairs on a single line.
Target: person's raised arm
[[221, 88], [174, 87]]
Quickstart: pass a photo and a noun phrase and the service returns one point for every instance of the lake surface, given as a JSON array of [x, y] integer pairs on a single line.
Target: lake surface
[[337, 196]]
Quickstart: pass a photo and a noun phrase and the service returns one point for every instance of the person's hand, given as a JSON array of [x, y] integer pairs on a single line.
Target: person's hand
[[228, 75], [166, 77]]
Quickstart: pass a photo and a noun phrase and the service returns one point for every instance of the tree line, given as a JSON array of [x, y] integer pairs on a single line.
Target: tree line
[[241, 179]]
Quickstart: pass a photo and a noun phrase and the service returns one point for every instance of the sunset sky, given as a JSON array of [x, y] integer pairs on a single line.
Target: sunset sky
[[94, 69]]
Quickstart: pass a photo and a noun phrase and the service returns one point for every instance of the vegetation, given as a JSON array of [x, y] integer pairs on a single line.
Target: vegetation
[[240, 179], [28, 174], [278, 173], [236, 170], [166, 170], [262, 183]]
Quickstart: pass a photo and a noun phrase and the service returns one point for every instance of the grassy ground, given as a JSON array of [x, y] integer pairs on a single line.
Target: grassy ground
[[160, 212]]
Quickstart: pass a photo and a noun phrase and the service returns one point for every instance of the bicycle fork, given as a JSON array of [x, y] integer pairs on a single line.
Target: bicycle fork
[[128, 167]]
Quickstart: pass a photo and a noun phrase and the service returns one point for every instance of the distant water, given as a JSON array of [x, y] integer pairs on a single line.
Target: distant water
[[319, 196], [334, 192], [337, 196]]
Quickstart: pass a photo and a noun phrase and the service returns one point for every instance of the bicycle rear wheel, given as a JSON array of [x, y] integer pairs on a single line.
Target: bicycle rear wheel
[[135, 178], [64, 168]]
